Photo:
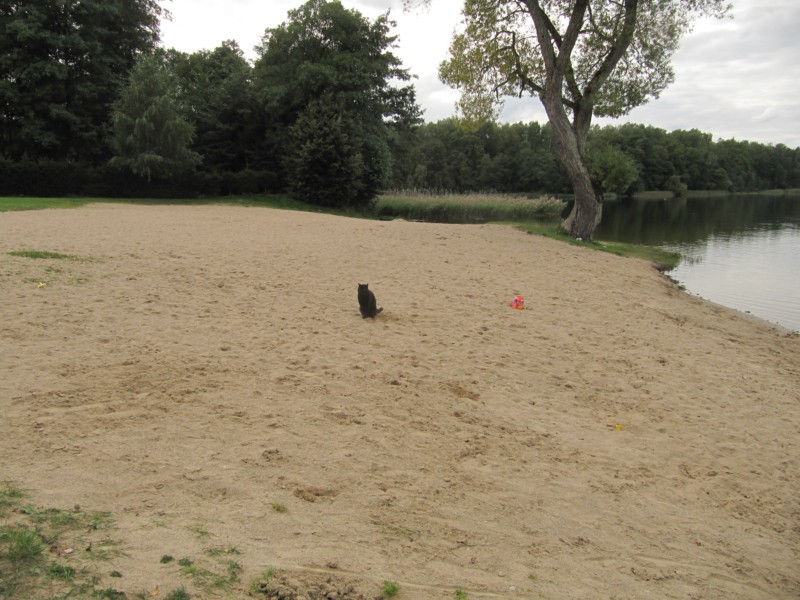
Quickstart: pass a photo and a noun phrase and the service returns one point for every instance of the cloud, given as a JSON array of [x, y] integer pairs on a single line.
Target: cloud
[[736, 79]]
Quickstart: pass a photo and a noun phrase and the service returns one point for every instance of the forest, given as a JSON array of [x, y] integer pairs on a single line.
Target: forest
[[91, 104]]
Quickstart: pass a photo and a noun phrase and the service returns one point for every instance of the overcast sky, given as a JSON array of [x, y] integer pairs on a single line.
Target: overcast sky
[[738, 78]]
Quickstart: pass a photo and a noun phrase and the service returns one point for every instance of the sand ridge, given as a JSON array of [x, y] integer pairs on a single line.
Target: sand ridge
[[201, 364]]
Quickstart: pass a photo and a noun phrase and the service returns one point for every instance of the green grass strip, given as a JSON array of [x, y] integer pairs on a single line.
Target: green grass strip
[[42, 254], [13, 203], [663, 259]]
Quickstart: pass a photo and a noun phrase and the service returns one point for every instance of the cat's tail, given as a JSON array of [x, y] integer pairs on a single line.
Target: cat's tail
[[379, 311]]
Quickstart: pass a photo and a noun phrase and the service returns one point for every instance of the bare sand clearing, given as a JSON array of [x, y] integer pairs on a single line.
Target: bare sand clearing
[[203, 364]]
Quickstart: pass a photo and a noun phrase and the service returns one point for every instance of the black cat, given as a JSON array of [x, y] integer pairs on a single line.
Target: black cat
[[367, 303]]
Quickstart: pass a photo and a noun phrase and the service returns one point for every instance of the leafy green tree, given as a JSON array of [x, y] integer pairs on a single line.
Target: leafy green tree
[[458, 156], [62, 64], [720, 180], [617, 171], [735, 158], [580, 57], [647, 146], [327, 56], [151, 137], [692, 156], [215, 91]]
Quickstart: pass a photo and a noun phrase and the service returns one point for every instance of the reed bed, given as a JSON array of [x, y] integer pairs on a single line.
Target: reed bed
[[443, 207]]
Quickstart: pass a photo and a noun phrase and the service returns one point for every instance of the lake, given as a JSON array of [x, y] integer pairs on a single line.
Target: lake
[[741, 251]]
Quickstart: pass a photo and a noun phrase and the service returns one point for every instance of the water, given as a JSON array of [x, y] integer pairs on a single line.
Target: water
[[742, 252]]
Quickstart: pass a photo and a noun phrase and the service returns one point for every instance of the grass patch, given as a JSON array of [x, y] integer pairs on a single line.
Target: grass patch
[[199, 531], [60, 571], [280, 201], [221, 575], [663, 259], [216, 552], [21, 545], [49, 552], [42, 254], [466, 208], [13, 203], [461, 594], [390, 589], [210, 579], [111, 594], [10, 497], [179, 594], [51, 271], [263, 584], [279, 507]]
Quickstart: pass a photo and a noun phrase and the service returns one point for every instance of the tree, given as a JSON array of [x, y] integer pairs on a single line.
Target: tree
[[580, 57], [735, 158], [691, 154], [215, 92], [326, 57], [325, 163], [616, 170], [151, 137], [62, 65]]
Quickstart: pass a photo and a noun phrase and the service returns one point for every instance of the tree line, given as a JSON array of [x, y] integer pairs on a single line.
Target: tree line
[[90, 104], [629, 158]]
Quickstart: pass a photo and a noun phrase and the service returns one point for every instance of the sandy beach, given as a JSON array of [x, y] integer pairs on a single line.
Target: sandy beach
[[203, 374]]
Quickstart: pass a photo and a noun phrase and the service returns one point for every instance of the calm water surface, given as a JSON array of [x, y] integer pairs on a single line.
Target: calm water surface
[[742, 252]]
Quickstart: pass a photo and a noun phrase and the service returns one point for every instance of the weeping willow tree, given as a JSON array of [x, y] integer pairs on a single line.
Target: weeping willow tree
[[151, 137], [580, 58]]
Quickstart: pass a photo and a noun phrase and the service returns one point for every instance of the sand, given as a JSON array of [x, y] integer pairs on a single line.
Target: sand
[[202, 368]]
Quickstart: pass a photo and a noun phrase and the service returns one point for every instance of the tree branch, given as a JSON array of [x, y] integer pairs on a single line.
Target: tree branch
[[559, 66], [595, 29], [524, 79], [572, 84], [571, 35], [554, 33], [617, 51], [543, 35]]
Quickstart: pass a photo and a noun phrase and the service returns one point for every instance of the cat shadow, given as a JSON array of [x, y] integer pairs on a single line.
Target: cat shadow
[[386, 317]]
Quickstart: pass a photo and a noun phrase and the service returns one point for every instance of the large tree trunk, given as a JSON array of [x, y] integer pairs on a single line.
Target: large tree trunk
[[588, 208]]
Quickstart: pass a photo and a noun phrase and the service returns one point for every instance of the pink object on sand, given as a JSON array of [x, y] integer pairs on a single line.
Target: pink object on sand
[[518, 302]]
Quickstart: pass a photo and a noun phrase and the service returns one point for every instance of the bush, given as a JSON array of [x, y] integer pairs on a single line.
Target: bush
[[42, 178], [468, 208], [51, 179], [114, 182]]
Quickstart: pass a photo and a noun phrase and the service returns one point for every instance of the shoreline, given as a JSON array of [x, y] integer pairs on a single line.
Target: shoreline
[[782, 329]]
